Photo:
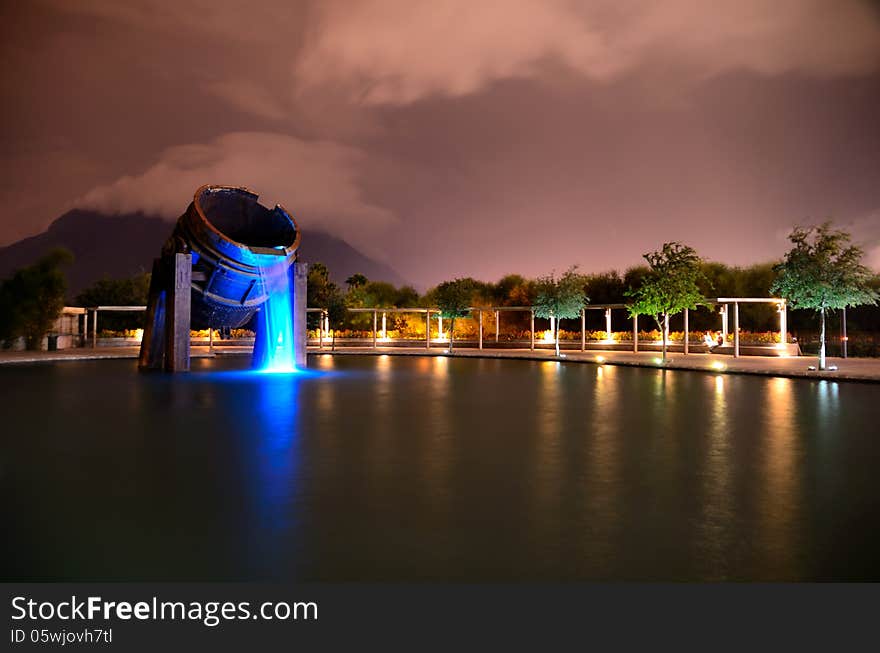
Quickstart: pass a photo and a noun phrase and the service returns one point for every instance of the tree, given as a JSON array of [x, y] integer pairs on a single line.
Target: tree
[[320, 291], [334, 303], [453, 299], [356, 281], [823, 271], [118, 292], [670, 285], [560, 298], [32, 298]]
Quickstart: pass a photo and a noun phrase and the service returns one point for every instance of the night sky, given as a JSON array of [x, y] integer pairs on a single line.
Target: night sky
[[455, 137]]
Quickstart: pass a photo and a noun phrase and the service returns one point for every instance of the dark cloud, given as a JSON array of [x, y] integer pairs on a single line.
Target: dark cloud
[[456, 137]]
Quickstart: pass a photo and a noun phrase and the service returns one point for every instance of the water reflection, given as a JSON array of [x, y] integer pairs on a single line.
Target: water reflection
[[713, 530], [437, 449], [275, 426], [547, 459], [778, 503], [602, 482]]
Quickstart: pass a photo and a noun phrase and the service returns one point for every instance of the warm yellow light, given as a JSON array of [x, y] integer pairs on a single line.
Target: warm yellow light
[[139, 334], [600, 359], [547, 336], [658, 361], [718, 365]]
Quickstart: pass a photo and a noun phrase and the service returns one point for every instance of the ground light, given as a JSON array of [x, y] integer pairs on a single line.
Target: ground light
[[600, 359], [718, 365]]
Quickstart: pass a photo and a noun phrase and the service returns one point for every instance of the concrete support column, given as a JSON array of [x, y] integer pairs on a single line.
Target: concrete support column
[[736, 329], [497, 324], [481, 329], [300, 330], [608, 324], [177, 342], [95, 328], [384, 326]]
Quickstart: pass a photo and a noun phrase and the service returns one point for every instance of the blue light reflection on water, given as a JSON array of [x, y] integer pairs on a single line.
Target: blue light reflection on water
[[270, 429]]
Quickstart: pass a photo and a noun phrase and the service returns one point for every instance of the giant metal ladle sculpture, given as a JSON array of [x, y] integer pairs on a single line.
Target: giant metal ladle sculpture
[[225, 257]]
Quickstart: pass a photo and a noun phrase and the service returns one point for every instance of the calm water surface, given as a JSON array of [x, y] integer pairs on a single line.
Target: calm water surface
[[397, 469]]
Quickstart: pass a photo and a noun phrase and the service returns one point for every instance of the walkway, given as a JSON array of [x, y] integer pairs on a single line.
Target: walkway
[[850, 369]]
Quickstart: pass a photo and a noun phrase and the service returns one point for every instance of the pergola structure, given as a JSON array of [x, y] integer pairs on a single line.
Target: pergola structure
[[725, 302], [93, 310]]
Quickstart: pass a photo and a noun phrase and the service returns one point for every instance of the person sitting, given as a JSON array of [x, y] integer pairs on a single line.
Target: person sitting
[[720, 339], [709, 341]]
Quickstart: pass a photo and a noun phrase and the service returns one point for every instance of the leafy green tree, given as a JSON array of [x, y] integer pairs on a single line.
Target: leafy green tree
[[823, 271], [453, 299], [670, 285], [560, 297], [32, 298]]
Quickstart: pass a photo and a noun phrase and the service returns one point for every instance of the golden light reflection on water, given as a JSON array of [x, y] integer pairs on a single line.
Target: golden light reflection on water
[[713, 538], [437, 453], [602, 480], [548, 413], [778, 504]]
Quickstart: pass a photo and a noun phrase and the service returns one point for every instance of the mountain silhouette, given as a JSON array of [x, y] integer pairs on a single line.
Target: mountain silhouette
[[119, 246]]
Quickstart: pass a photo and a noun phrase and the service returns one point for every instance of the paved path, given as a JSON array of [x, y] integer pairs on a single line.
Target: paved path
[[851, 369]]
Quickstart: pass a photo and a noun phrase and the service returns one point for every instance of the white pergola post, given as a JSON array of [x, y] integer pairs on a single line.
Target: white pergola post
[[497, 324], [583, 329], [686, 338], [736, 329], [321, 330], [635, 334], [608, 324], [95, 329], [427, 329], [532, 331], [481, 328], [384, 324], [375, 325], [783, 324], [724, 322]]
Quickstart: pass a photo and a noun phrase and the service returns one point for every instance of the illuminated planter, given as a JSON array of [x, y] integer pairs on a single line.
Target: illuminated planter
[[240, 250]]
